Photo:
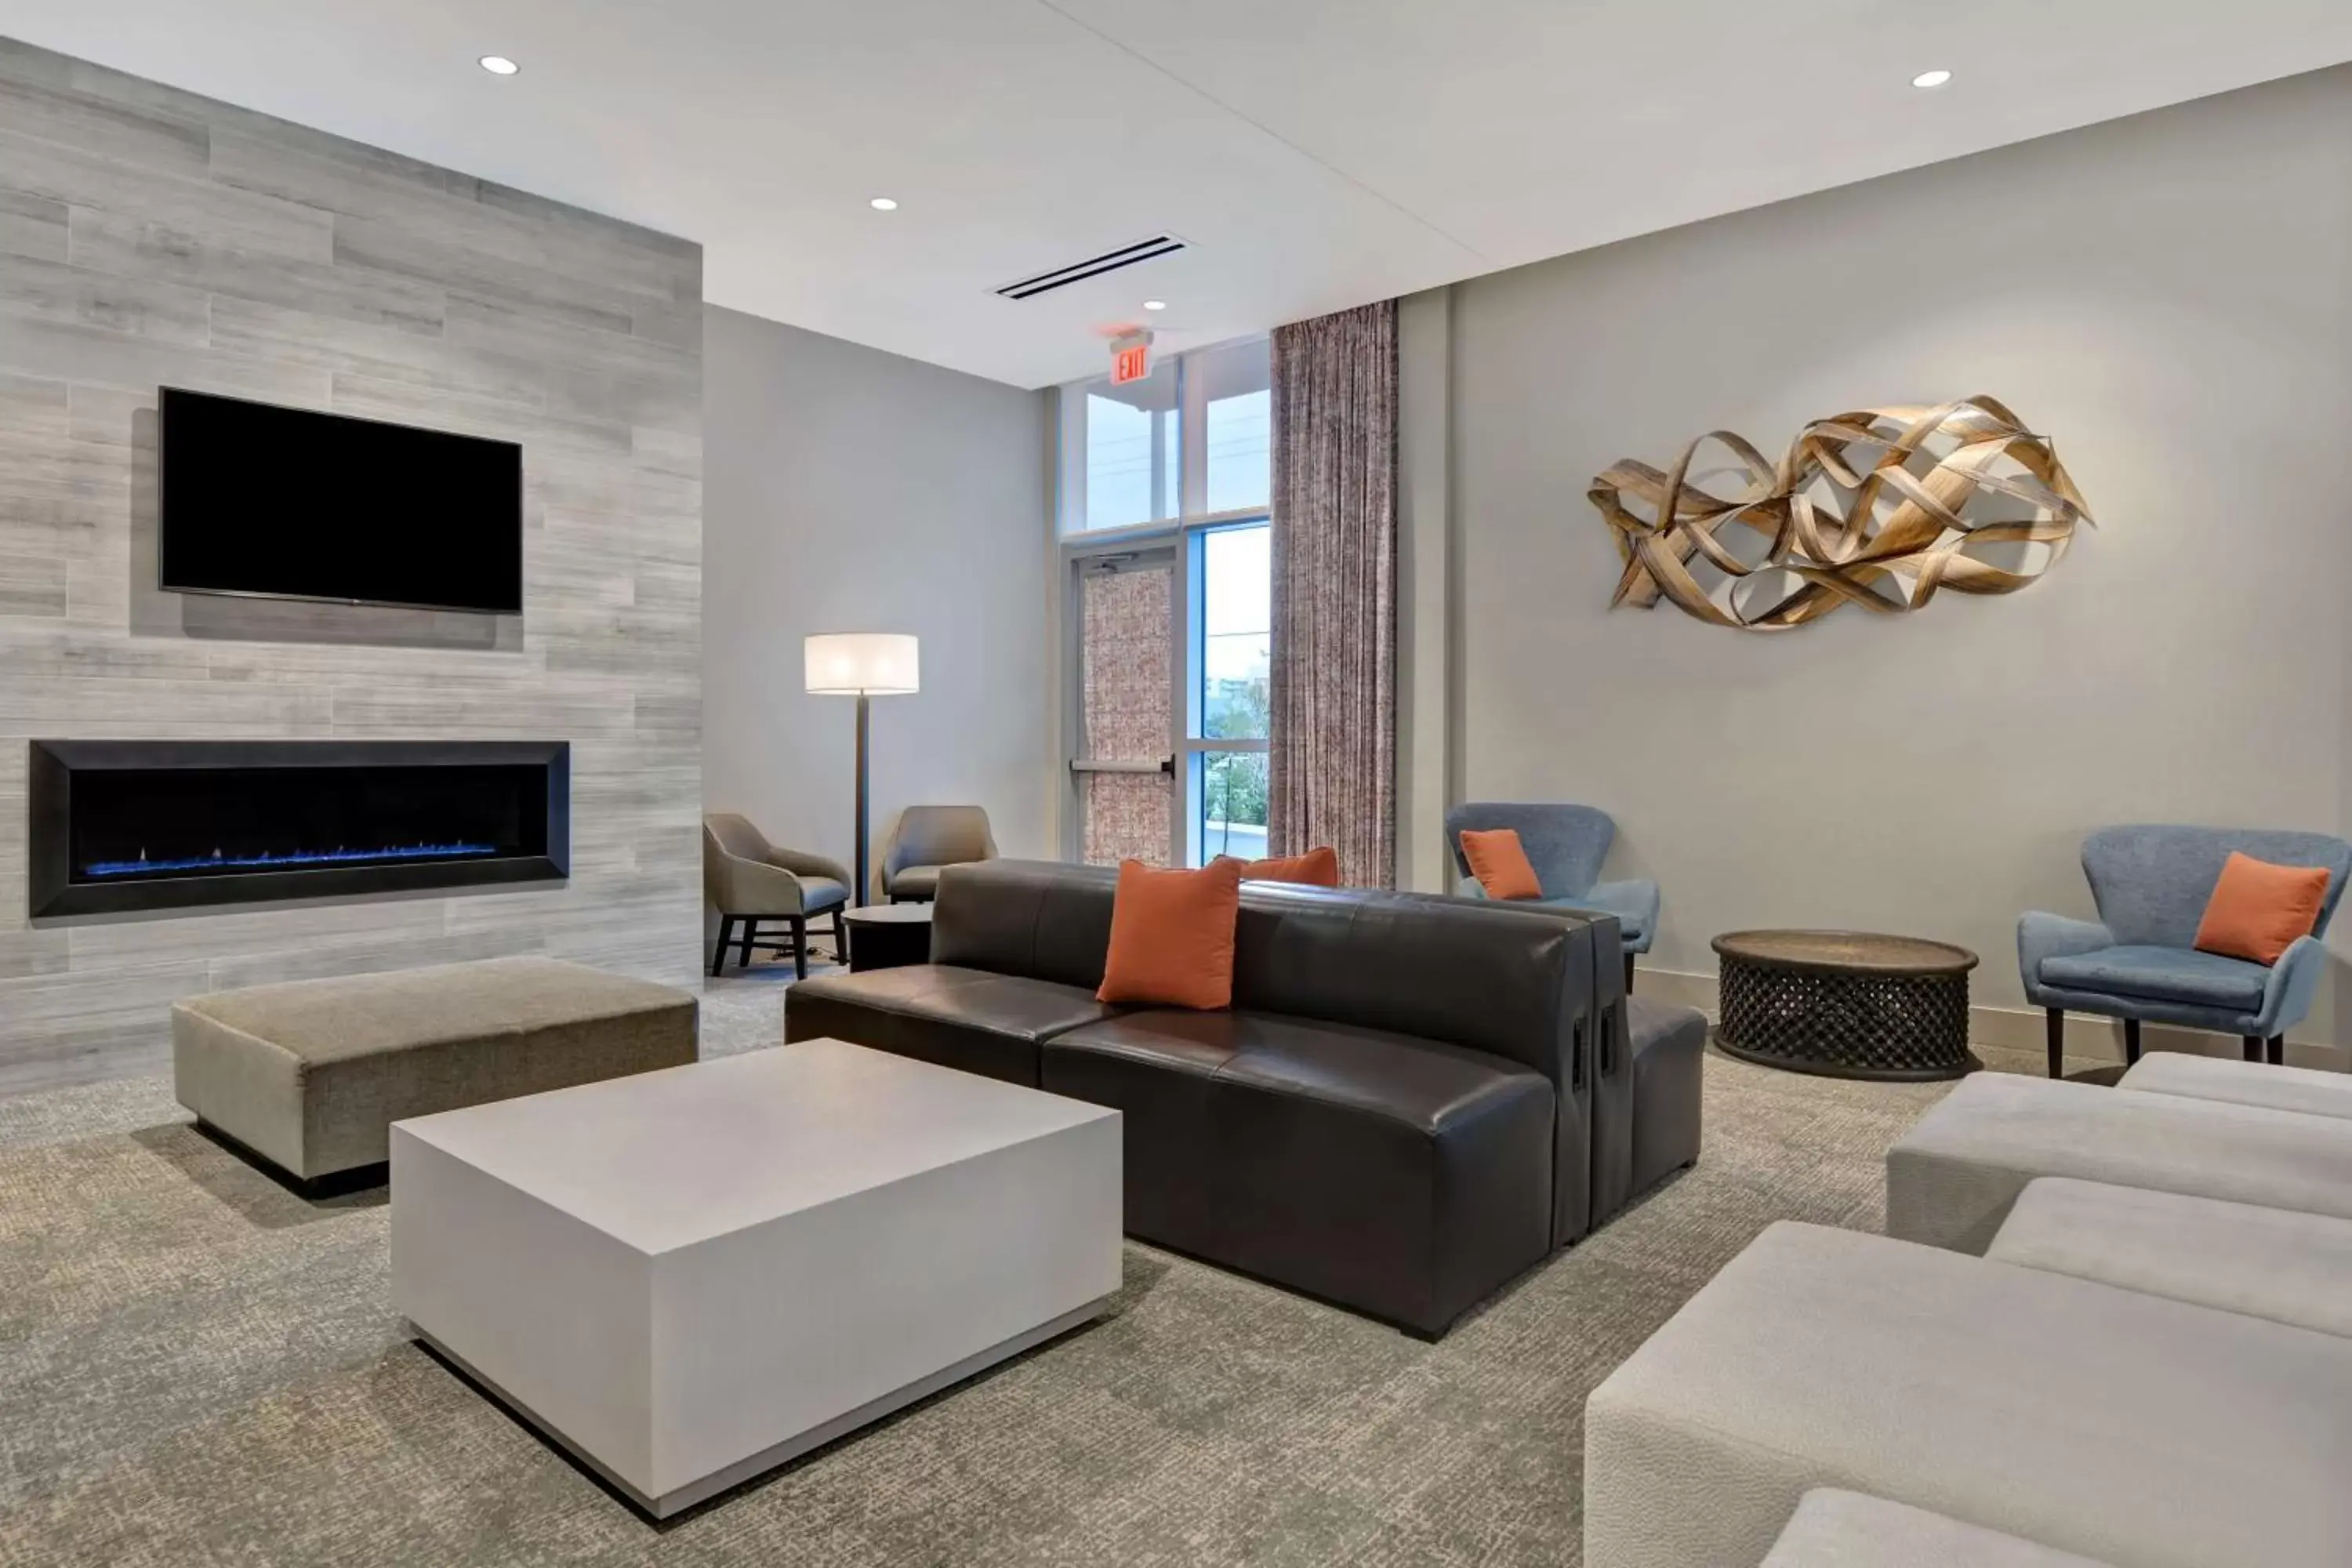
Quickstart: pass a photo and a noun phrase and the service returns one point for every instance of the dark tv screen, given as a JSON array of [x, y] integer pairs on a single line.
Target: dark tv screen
[[291, 504]]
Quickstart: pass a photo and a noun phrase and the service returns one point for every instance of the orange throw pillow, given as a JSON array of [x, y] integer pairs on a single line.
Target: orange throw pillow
[[1500, 863], [2258, 910], [1172, 936], [1318, 868]]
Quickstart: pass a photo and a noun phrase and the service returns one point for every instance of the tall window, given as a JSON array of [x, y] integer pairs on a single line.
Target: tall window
[[1171, 476]]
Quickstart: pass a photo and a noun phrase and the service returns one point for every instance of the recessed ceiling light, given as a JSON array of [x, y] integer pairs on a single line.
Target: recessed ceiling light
[[499, 65], [1931, 78], [1155, 304], [883, 204]]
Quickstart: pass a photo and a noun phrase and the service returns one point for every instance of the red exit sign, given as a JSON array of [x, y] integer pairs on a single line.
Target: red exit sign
[[1132, 363]]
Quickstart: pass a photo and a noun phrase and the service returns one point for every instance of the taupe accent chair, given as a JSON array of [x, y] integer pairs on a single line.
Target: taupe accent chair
[[748, 879], [927, 838]]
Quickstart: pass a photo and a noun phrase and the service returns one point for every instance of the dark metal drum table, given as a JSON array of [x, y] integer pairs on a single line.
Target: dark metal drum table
[[887, 936], [1846, 1003]]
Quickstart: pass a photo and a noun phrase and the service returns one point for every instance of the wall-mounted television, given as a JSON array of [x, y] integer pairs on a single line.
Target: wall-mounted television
[[287, 503]]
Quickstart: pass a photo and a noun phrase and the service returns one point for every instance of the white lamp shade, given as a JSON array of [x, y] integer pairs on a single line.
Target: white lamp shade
[[861, 664]]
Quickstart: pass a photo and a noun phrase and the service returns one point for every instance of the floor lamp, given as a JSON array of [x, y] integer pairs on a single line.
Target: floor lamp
[[861, 665]]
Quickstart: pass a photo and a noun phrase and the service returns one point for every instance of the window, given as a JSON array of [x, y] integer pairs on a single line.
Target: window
[[1176, 469], [1191, 442], [1232, 649], [1132, 444]]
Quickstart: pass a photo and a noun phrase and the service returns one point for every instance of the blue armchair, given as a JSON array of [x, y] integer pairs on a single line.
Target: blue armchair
[[1566, 844], [2138, 961]]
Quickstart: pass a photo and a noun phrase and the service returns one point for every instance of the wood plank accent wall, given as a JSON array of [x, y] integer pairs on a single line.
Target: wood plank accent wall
[[152, 237]]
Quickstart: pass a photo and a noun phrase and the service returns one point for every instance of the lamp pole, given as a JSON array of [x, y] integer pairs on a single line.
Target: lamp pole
[[863, 665], [860, 893]]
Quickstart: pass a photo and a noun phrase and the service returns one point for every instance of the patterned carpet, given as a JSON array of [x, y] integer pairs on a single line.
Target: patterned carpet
[[197, 1366]]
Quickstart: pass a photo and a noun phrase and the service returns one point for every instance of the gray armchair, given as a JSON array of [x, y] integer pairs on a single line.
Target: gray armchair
[[2139, 959], [747, 878], [1566, 845], [927, 839]]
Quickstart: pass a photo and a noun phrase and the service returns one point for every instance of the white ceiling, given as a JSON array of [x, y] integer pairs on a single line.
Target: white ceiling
[[1317, 153]]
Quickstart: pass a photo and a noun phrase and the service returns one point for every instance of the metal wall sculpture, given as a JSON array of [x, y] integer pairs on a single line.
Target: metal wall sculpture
[[1951, 496]]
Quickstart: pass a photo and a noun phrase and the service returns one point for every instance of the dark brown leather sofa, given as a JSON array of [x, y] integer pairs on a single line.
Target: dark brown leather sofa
[[1412, 1101]]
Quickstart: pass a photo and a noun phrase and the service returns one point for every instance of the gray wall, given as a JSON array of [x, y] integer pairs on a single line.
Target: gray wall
[[854, 491], [150, 237], [2169, 296]]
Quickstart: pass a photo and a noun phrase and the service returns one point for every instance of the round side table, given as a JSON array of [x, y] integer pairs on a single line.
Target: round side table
[[887, 936], [1846, 1003]]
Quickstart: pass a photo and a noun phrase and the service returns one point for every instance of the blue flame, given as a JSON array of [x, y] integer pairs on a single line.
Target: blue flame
[[216, 861]]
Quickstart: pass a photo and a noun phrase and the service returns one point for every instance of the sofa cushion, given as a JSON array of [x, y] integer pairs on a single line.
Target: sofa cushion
[[1399, 1176], [1172, 935], [2163, 973], [2267, 1263], [1834, 1528], [915, 882], [1154, 1069], [2258, 908], [1631, 902], [1951, 1178], [1318, 868], [2123, 1427], [2304, 1089], [1500, 863], [1669, 1050], [970, 1019]]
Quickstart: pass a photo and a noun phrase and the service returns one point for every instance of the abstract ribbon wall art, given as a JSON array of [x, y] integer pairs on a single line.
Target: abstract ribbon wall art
[[1878, 506]]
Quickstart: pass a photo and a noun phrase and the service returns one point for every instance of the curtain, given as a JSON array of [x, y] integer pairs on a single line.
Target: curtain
[[1331, 768]]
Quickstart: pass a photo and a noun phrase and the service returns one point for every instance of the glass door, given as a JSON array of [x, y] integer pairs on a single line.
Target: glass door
[[1124, 770]]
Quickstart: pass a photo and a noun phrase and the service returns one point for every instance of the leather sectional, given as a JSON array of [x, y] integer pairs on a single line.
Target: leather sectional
[[1412, 1101]]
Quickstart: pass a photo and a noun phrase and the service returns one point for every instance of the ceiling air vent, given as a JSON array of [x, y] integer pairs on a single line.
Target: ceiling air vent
[[1151, 249]]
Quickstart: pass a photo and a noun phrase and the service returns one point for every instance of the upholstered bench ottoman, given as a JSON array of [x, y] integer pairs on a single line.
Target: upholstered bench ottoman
[[2268, 1263], [2304, 1089], [1833, 1528], [2126, 1427], [1669, 1048], [311, 1074], [1950, 1179]]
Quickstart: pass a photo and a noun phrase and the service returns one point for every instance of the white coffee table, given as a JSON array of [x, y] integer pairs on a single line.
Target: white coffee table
[[688, 1276]]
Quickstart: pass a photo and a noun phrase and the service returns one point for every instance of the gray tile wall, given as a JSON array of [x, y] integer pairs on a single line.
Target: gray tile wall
[[152, 237]]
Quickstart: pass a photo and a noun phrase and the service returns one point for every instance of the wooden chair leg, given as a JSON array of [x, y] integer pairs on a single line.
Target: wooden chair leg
[[840, 938], [2057, 1028], [800, 947], [2131, 1041], [726, 934], [2278, 1050], [2253, 1047], [1629, 974], [751, 930]]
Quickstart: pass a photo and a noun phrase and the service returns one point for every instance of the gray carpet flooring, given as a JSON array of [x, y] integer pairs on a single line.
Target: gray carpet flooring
[[198, 1366]]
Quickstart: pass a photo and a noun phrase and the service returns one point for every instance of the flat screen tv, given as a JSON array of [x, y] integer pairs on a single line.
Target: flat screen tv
[[285, 503]]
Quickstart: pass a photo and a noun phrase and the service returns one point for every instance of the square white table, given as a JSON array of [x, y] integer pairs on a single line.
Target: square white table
[[687, 1277]]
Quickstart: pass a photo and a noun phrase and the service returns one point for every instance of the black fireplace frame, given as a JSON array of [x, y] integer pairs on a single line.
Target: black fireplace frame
[[51, 891]]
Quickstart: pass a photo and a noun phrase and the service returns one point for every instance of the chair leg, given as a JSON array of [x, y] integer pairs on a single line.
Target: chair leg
[[2057, 1027], [1629, 974], [800, 947], [751, 930], [726, 934], [2131, 1041], [840, 938], [2278, 1050], [2253, 1047]]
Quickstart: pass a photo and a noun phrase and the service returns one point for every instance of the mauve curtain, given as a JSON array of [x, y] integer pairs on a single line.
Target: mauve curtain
[[1331, 771]]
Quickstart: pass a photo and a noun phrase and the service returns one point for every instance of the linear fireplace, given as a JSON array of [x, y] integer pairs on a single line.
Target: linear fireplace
[[122, 825]]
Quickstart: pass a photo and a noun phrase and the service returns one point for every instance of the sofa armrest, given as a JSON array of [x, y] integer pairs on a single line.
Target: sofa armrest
[[2041, 936], [757, 888], [801, 863], [2294, 982]]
